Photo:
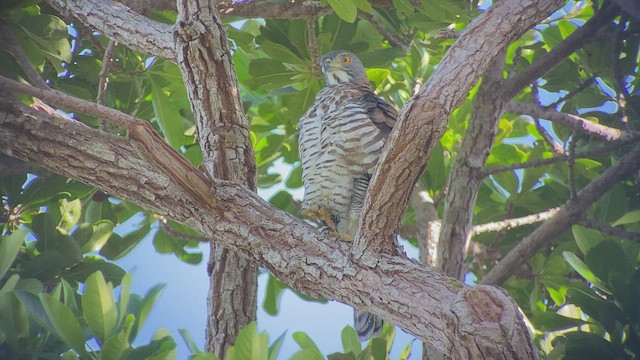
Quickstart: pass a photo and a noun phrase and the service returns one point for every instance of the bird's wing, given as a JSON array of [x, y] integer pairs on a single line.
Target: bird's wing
[[380, 112]]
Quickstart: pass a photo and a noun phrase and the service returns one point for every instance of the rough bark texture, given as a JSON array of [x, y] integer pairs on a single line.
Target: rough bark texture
[[121, 24], [423, 118], [223, 131], [467, 172], [467, 323]]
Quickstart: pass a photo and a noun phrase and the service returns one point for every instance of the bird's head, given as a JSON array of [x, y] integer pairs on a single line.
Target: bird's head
[[341, 67]]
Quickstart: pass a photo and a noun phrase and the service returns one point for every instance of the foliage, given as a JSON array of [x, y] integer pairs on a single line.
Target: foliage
[[579, 294]]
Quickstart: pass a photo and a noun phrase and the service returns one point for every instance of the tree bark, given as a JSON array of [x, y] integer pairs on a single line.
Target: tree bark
[[464, 322], [467, 172], [223, 130], [424, 117]]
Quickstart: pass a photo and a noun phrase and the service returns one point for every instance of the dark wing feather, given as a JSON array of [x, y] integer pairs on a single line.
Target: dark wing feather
[[382, 114]]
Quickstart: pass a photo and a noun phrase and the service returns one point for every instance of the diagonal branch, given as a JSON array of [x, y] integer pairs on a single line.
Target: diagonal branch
[[581, 36], [121, 24], [572, 121], [610, 230], [509, 224], [568, 215], [465, 176], [602, 150], [450, 316], [424, 117], [21, 58]]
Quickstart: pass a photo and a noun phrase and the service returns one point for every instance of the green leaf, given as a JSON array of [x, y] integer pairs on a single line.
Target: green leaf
[[9, 247], [405, 354], [116, 346], [125, 292], [191, 345], [167, 115], [363, 5], [70, 211], [551, 321], [64, 322], [379, 349], [274, 349], [307, 354], [305, 341], [250, 344], [99, 307], [79, 272], [582, 269], [100, 233], [350, 341], [272, 296], [145, 307], [403, 8], [630, 217], [345, 9], [586, 238]]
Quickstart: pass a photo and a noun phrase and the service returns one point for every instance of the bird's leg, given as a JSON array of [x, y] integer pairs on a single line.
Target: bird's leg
[[323, 216]]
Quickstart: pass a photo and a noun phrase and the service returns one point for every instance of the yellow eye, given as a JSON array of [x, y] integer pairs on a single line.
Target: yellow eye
[[346, 59]]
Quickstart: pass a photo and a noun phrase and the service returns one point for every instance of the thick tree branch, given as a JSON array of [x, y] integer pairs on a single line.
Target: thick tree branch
[[465, 322], [121, 24], [581, 36], [424, 117], [568, 215], [427, 227], [631, 7], [223, 130], [465, 176], [571, 121]]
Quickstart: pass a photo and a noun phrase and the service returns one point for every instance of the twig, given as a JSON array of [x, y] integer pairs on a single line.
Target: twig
[[610, 230], [391, 38], [582, 87], [21, 57], [566, 216], [164, 225], [543, 162], [586, 33], [572, 121], [517, 57], [571, 162], [619, 84], [313, 48], [104, 80], [553, 145], [509, 224]]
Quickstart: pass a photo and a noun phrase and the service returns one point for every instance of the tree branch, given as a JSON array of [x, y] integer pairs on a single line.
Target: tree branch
[[427, 227], [121, 24], [21, 58], [568, 214], [223, 131], [571, 121], [630, 6], [610, 230], [465, 176], [602, 150], [424, 117], [581, 36], [462, 321], [509, 224]]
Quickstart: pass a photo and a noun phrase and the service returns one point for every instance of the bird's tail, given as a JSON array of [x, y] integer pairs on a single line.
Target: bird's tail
[[366, 325]]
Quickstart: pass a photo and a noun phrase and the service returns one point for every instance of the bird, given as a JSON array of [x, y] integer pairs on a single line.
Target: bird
[[341, 138]]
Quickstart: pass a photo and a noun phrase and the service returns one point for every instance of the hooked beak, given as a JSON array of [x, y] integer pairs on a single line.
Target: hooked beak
[[326, 65]]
